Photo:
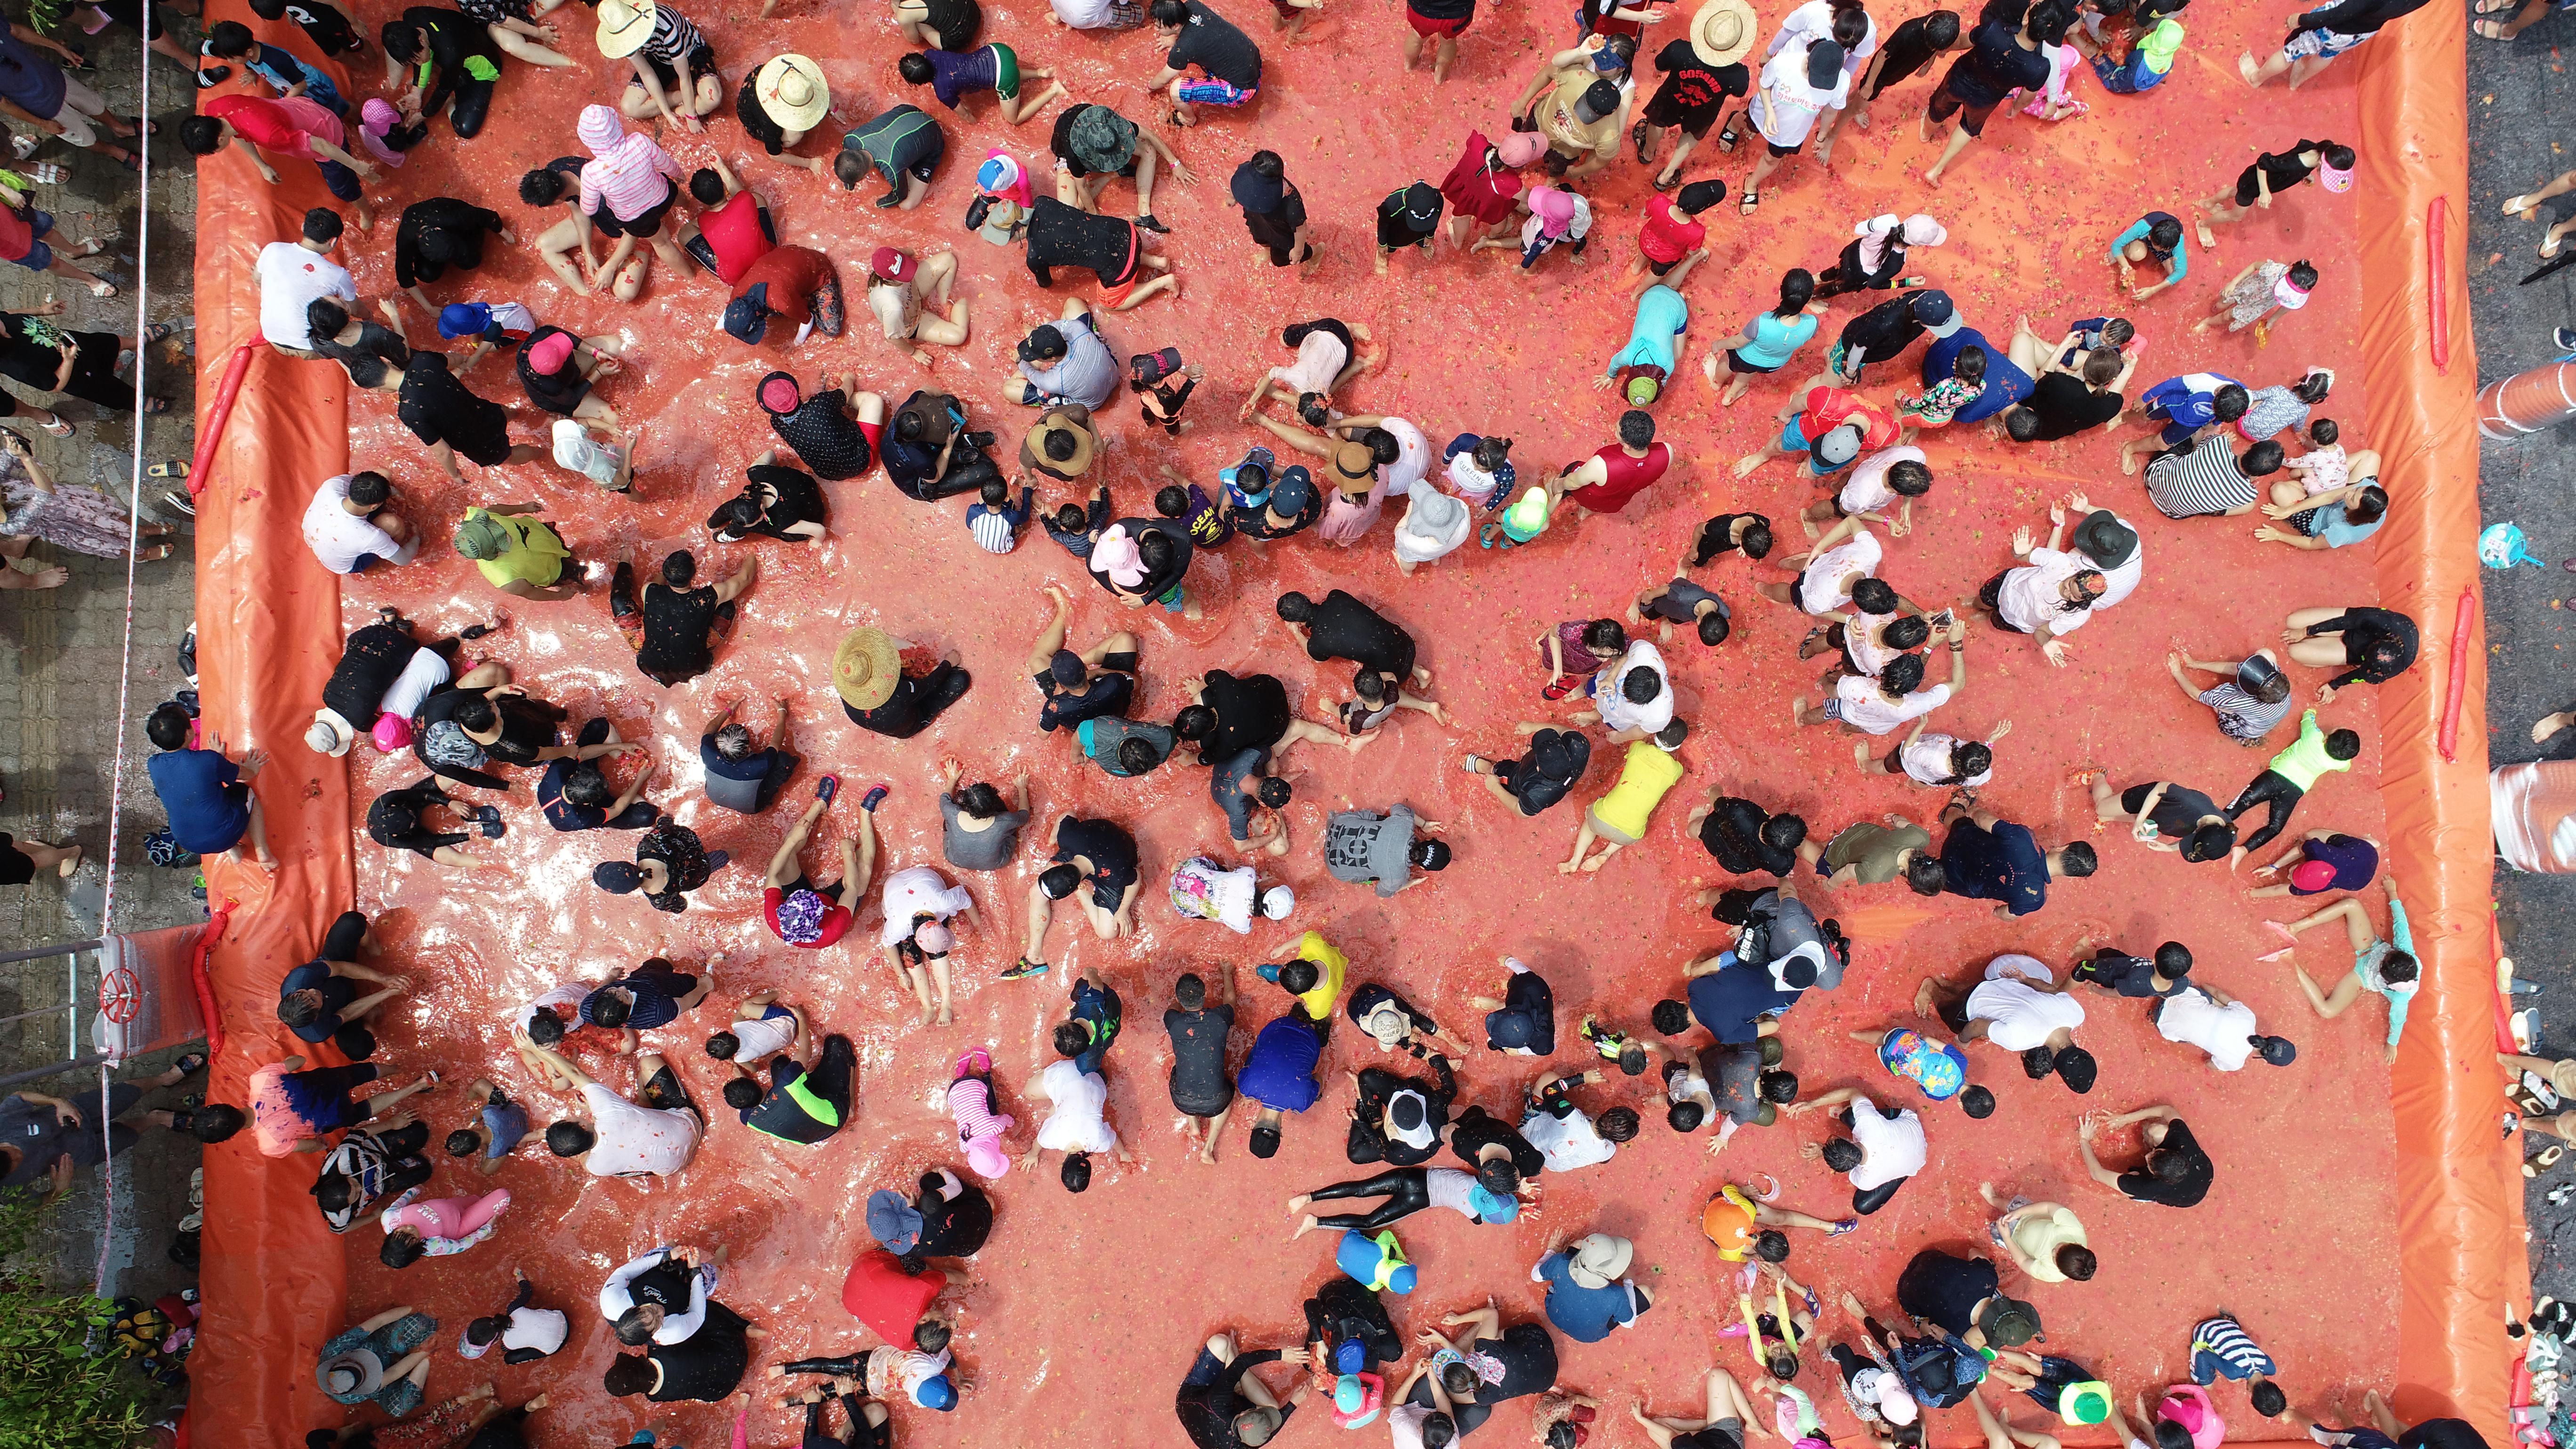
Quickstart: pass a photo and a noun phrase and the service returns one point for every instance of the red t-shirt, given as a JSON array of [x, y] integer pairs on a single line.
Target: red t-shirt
[[286, 125], [794, 275], [1666, 237], [733, 230], [1830, 407], [1624, 477], [837, 921], [17, 234], [881, 1295]]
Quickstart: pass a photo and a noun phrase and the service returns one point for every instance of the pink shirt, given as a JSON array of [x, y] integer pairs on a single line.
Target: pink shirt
[[979, 1130], [447, 1224], [2189, 1406], [272, 1113], [629, 176]]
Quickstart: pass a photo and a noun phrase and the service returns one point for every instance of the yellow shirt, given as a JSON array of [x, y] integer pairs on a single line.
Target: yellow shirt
[[1557, 121], [1331, 968], [1649, 771], [535, 555]]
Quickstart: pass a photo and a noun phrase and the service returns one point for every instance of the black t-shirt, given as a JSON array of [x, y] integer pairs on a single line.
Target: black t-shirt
[[373, 659], [1111, 851], [2182, 1192], [2066, 406], [825, 437], [1278, 227], [1199, 1083], [1442, 9], [2380, 643], [1477, 1129], [2132, 976], [955, 1227], [464, 225], [1528, 1357], [1251, 713], [2286, 168], [1692, 88], [1108, 693], [1556, 760], [1210, 42], [1906, 49], [558, 391], [1994, 65], [1732, 833], [1065, 236], [1395, 224], [439, 409], [1345, 628], [1882, 332], [2177, 814], [1946, 1290], [366, 359], [526, 727], [780, 1114], [800, 500], [676, 622]]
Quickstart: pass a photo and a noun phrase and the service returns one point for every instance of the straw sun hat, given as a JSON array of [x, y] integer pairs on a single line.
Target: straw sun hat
[[791, 91], [866, 668], [624, 26], [1722, 32]]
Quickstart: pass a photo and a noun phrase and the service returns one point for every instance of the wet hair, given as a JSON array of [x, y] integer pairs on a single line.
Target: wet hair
[[2102, 365], [1265, 1140], [401, 39], [1873, 596], [1563, 1435], [322, 224], [1925, 874], [477, 712], [1910, 477], [680, 569], [2343, 744], [607, 1010], [1605, 636], [1772, 1246], [629, 1374], [1311, 408], [1842, 1154], [2077, 1069], [1797, 289], [1636, 427], [707, 186], [2168, 1165], [402, 1248], [2399, 966], [542, 187], [1977, 1102], [2170, 1435], [1671, 1017], [1971, 366], [1071, 1039], [1267, 164], [2165, 235], [1619, 1124], [545, 1028], [1492, 452], [1777, 1086], [370, 489], [1296, 608], [1757, 540], [1851, 26], [1903, 675], [1458, 1379], [1714, 629], [463, 1142], [915, 68], [1499, 1176], [2079, 859], [1170, 12], [931, 1335], [2209, 842], [2267, 1396], [201, 135], [325, 318], [1632, 1060], [1137, 755], [981, 800], [1171, 501], [1196, 722], [2323, 432], [568, 1138], [483, 1330], [583, 784], [1782, 1364], [1190, 991], [1771, 1049], [332, 1193], [851, 168], [2173, 958], [167, 725], [2368, 505], [1784, 832], [1060, 446], [2339, 156], [1909, 632], [1941, 27], [1641, 685], [2048, 22], [1685, 1115], [2261, 460], [635, 1326], [1601, 98], [1299, 977], [742, 1094], [1060, 881], [2229, 403], [2076, 1261], [724, 1046], [734, 742]]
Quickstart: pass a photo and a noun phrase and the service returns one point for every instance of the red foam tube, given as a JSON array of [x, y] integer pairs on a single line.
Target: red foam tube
[[2437, 291], [2463, 622], [212, 433], [207, 1006]]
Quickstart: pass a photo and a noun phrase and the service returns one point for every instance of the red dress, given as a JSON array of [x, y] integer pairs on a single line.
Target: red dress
[[1474, 189], [1626, 477]]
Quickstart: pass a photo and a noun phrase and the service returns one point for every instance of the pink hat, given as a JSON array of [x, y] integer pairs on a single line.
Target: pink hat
[[2312, 876], [393, 732], [1554, 209], [2289, 294], [1923, 231], [892, 265], [550, 353], [2332, 179], [1521, 148], [598, 127], [376, 118], [986, 1156], [1116, 557], [933, 938]]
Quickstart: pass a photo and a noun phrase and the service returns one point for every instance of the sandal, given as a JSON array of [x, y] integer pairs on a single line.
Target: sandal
[[826, 788], [102, 289], [171, 469], [2541, 1161], [2516, 205], [189, 1064], [57, 427], [2489, 29], [1637, 133], [1024, 968], [155, 405], [1667, 183], [156, 331], [1744, 206], [875, 797]]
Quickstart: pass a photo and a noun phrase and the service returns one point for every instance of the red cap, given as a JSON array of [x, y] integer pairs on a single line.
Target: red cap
[[892, 265]]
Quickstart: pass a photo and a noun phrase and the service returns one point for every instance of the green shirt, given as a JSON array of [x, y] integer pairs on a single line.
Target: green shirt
[[2306, 758], [1873, 848]]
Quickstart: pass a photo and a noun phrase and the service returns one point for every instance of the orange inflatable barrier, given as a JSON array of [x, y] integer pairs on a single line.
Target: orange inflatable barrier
[[2459, 1202]]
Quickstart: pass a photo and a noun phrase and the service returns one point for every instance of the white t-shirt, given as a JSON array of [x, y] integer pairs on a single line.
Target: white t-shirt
[[1449, 1188], [1868, 650], [338, 537], [2119, 583], [571, 992], [543, 1329], [1616, 712], [1568, 1144], [1082, 14], [1890, 1150], [1926, 761], [1814, 21], [637, 1141], [1787, 108], [2192, 1018], [1075, 1122], [1866, 489], [2029, 596], [1404, 1425], [2018, 1017], [1225, 896], [1412, 457], [1320, 359], [1826, 584], [918, 890], [1864, 708], [292, 278], [410, 690], [763, 1036], [897, 307], [576, 453]]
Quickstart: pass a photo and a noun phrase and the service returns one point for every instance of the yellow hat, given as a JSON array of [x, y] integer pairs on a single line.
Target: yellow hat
[[1722, 32], [791, 91], [867, 666], [624, 26]]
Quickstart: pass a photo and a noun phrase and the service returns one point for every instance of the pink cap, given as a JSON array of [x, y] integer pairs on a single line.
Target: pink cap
[[934, 938], [378, 115], [2333, 180], [551, 353], [892, 265], [1521, 148], [2312, 876], [986, 1156], [392, 733], [780, 394]]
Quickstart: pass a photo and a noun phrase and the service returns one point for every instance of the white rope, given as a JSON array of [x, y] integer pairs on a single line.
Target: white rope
[[125, 662]]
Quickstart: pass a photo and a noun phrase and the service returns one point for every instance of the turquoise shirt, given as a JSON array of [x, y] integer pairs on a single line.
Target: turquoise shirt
[[1661, 316]]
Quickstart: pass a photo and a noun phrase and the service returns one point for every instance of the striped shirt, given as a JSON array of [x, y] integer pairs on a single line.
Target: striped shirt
[[673, 37], [629, 176], [2204, 481], [2220, 1347], [2242, 717], [971, 1103], [996, 530]]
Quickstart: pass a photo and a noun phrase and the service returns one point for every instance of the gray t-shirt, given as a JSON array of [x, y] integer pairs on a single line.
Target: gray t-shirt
[[736, 784], [1101, 738], [988, 849], [1225, 786], [1361, 846], [1680, 603]]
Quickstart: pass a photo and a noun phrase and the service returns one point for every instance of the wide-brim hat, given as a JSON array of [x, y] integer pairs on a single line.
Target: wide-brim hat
[[791, 91], [1597, 1260], [866, 668], [1101, 139], [624, 26], [1723, 31], [1047, 427]]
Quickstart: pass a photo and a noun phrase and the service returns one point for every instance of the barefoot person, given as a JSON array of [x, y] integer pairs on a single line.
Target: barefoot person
[[801, 913], [1200, 1086], [2388, 966]]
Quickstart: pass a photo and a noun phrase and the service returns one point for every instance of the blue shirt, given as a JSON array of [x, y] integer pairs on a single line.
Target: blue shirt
[[1097, 1009], [2338, 530], [1280, 1072], [30, 80], [1661, 316], [2186, 400], [1731, 999], [504, 1123], [2176, 261], [337, 992], [653, 1006], [561, 813], [2005, 383], [208, 805], [1775, 338], [736, 784], [1586, 1315], [2004, 864]]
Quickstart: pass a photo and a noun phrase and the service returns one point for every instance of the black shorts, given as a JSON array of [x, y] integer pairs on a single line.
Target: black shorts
[[1662, 269], [1972, 117], [702, 63], [639, 226], [1777, 150], [487, 447], [342, 181], [17, 867], [2249, 187], [1735, 363], [1665, 115], [830, 893], [1990, 599], [664, 1090]]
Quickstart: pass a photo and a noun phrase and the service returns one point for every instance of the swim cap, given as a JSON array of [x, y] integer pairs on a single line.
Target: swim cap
[[780, 394], [2312, 876], [998, 173], [2088, 1402], [1642, 390], [1277, 902], [482, 538], [1527, 517], [1348, 1395], [1521, 148], [463, 319]]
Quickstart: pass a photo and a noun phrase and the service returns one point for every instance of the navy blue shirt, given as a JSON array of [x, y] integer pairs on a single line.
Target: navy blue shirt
[[561, 813], [1281, 1070], [208, 805], [337, 993], [2004, 864], [1731, 999], [1586, 1315], [655, 1004]]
